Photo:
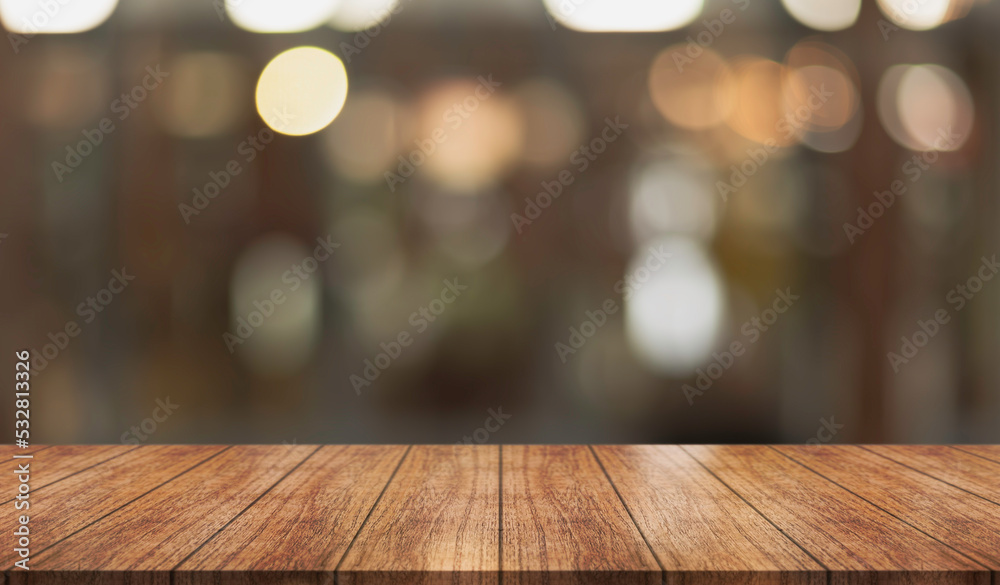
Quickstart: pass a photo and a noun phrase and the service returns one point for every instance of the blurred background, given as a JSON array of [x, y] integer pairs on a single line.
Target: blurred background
[[381, 221]]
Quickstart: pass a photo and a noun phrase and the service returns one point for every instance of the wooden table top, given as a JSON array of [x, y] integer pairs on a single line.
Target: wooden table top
[[490, 515]]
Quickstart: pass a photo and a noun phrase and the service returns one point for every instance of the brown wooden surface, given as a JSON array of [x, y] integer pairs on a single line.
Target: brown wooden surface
[[563, 522], [857, 541], [58, 463], [965, 522], [159, 530], [436, 523], [991, 452], [305, 523], [956, 467], [69, 505], [482, 515], [697, 526]]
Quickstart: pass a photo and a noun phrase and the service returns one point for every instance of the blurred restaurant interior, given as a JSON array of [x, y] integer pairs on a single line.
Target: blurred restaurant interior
[[502, 221]]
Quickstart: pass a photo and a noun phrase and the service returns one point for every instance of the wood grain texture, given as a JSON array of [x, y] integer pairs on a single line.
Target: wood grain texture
[[700, 530], [563, 523], [991, 452], [858, 542], [156, 532], [53, 464], [299, 531], [959, 468], [77, 501], [965, 522], [521, 515], [436, 523]]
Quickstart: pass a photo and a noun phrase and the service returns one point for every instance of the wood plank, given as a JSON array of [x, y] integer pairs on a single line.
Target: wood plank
[[961, 520], [157, 531], [960, 469], [435, 524], [700, 530], [564, 524], [80, 500], [53, 464], [856, 541], [991, 452], [299, 531]]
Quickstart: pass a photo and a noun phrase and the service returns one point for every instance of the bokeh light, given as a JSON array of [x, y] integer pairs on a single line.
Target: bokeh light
[[301, 90], [821, 97], [31, 17], [833, 123], [917, 14], [513, 187], [553, 122], [356, 15], [204, 96], [760, 112], [624, 15], [473, 136], [673, 319], [364, 141], [925, 107], [672, 197], [691, 93], [281, 342], [469, 230], [373, 267], [68, 87], [835, 139], [280, 16], [811, 51], [825, 15]]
